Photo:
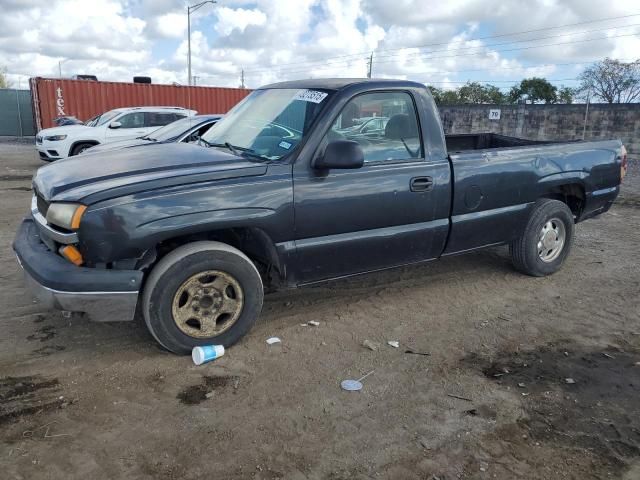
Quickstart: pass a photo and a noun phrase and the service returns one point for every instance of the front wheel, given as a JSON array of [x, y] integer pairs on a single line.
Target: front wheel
[[546, 241], [203, 293], [81, 147]]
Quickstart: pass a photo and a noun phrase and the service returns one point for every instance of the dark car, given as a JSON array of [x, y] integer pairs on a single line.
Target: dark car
[[192, 237], [66, 120], [187, 130]]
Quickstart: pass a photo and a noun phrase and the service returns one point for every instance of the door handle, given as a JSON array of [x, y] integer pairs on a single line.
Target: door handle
[[421, 184]]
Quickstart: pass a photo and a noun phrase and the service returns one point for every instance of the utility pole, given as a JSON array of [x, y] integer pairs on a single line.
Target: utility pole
[[242, 79], [195, 80], [190, 10], [586, 114], [60, 62], [370, 65]]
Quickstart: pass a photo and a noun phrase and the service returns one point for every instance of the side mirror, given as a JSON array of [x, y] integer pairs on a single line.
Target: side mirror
[[115, 125], [341, 154]]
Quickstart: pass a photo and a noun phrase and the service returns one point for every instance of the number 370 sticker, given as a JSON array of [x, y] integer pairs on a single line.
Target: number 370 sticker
[[310, 96]]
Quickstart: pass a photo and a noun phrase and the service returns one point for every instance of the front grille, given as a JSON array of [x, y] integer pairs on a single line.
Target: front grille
[[38, 139], [43, 205]]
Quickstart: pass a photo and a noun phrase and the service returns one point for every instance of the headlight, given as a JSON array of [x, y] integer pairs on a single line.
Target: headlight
[[55, 138], [65, 215]]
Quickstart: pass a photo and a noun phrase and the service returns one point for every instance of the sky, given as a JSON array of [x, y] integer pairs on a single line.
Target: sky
[[441, 43]]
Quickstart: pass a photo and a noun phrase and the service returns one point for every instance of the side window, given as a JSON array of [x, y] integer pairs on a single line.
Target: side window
[[195, 136], [132, 120], [393, 136], [156, 119]]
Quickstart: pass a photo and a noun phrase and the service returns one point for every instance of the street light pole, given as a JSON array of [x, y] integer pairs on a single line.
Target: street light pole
[[190, 9], [60, 62]]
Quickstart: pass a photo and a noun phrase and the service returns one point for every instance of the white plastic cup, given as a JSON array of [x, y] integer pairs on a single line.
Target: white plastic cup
[[207, 353]]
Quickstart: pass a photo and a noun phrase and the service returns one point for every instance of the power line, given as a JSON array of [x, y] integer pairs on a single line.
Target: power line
[[519, 41], [521, 67], [446, 43], [285, 71], [527, 47]]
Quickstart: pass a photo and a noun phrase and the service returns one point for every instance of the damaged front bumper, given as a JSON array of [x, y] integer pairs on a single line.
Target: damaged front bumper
[[105, 295]]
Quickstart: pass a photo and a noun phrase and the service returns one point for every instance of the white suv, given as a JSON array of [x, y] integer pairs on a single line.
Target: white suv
[[114, 125]]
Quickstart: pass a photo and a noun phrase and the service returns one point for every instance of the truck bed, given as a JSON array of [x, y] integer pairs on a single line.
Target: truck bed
[[460, 142], [495, 185]]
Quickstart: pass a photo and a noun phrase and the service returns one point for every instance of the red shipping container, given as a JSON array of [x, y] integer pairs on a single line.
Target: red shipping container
[[84, 99]]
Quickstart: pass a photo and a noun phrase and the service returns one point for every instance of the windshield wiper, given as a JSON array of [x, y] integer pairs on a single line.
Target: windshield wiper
[[236, 150]]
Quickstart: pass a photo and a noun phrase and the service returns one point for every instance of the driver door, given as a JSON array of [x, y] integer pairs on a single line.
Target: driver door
[[381, 215]]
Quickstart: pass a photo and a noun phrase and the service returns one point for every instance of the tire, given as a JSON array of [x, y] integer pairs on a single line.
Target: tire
[[533, 256], [207, 262], [79, 148]]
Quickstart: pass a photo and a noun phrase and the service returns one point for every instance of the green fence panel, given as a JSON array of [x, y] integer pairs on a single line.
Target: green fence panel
[[16, 116]]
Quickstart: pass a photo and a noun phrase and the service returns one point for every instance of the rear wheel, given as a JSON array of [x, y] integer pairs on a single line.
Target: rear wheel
[[203, 293], [546, 241]]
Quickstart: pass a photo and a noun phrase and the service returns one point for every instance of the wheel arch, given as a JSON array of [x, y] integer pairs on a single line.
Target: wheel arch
[[82, 142], [254, 242], [570, 191]]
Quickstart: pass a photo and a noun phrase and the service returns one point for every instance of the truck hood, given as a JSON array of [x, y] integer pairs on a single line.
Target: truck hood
[[91, 178]]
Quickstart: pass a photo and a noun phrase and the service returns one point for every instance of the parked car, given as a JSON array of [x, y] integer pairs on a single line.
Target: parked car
[[194, 236], [112, 126], [187, 130], [66, 120], [372, 128]]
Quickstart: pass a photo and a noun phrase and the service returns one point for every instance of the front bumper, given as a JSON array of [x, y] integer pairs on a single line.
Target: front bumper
[[48, 154], [50, 151], [105, 295]]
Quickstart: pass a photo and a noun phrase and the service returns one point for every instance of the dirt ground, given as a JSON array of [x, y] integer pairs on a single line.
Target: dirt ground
[[525, 378]]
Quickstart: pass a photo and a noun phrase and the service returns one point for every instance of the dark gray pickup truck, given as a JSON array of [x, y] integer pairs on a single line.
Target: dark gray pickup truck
[[289, 192]]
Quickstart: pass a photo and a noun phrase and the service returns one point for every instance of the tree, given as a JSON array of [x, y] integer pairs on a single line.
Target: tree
[[612, 81], [534, 90], [566, 94], [450, 97], [436, 93], [471, 92], [474, 92], [4, 81], [444, 97]]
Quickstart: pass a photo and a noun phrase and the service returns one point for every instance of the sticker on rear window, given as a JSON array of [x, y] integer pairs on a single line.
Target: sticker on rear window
[[310, 96], [285, 145]]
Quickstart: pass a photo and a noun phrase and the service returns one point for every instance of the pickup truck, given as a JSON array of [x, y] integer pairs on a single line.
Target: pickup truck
[[192, 237]]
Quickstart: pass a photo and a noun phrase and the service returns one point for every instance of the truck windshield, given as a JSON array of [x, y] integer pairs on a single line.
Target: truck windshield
[[268, 123]]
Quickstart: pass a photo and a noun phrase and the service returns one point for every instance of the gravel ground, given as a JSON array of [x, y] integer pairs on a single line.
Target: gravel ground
[[525, 378]]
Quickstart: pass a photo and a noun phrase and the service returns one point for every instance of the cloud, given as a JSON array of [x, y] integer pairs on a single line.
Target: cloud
[[272, 40], [238, 19]]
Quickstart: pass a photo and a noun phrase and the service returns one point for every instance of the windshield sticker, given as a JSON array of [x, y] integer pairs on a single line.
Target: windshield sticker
[[310, 96], [285, 145]]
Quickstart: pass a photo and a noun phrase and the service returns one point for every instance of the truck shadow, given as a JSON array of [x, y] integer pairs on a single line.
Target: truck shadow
[[78, 334], [492, 262]]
